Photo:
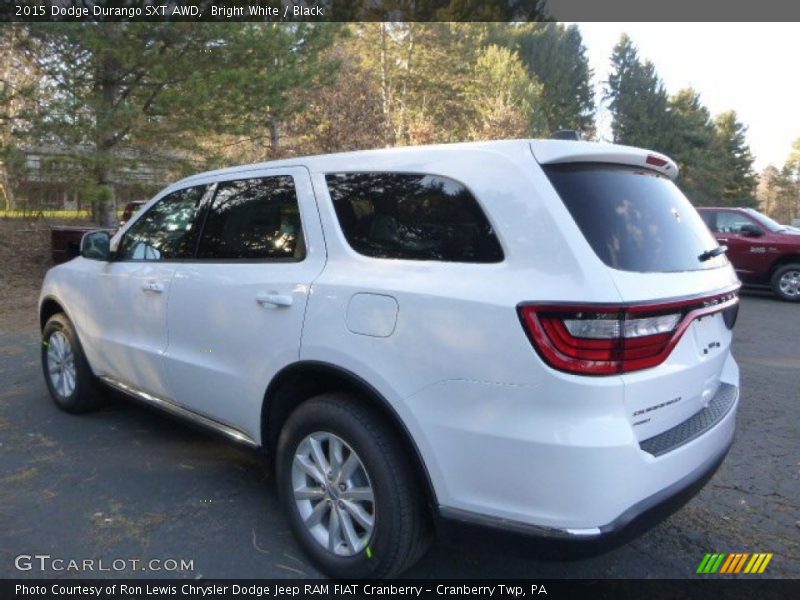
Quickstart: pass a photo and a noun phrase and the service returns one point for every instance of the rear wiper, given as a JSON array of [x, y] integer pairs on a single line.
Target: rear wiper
[[709, 254]]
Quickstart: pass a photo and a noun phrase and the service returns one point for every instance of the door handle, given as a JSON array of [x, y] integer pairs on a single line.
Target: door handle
[[722, 239], [152, 286], [274, 299]]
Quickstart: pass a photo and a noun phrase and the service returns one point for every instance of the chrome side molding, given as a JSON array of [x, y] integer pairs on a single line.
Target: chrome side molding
[[179, 411]]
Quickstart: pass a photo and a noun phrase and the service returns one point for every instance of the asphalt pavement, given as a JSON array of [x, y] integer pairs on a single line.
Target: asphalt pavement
[[129, 484]]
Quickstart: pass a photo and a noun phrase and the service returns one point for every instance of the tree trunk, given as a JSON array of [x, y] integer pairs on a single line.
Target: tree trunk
[[107, 83], [8, 193], [385, 90], [405, 136], [274, 139], [104, 205], [108, 209]]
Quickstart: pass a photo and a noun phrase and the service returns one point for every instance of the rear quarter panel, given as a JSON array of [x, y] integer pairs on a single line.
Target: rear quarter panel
[[457, 324]]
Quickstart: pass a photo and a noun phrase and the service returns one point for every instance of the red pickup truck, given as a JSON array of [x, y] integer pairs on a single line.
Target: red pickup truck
[[761, 250], [65, 240]]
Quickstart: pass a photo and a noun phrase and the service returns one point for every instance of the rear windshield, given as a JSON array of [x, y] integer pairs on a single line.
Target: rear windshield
[[634, 219]]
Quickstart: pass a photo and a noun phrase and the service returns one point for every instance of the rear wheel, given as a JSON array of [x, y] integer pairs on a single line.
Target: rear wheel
[[786, 282], [69, 379], [353, 502]]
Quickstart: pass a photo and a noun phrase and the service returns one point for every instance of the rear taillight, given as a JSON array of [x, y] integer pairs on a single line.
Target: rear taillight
[[608, 339]]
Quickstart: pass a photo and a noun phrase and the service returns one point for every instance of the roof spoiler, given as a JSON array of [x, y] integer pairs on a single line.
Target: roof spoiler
[[573, 135], [561, 151]]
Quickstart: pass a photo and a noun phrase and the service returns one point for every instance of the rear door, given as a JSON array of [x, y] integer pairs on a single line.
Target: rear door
[[236, 311], [654, 244]]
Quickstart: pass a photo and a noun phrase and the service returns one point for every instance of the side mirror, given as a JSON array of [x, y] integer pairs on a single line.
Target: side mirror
[[750, 230], [96, 245]]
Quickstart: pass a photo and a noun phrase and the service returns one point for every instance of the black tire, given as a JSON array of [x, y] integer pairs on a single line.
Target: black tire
[[402, 530], [785, 271], [86, 394]]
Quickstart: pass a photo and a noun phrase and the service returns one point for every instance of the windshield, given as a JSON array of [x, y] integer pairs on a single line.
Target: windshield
[[634, 219], [770, 224]]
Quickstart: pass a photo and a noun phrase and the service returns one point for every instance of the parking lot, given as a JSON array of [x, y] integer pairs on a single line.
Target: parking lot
[[128, 483]]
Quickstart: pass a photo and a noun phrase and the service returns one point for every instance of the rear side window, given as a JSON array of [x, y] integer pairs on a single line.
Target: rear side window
[[635, 220], [709, 218], [412, 216], [253, 219]]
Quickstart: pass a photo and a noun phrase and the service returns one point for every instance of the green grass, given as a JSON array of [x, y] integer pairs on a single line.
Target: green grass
[[49, 214]]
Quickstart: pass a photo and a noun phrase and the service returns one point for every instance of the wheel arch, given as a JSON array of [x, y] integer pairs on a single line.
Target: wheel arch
[[49, 306], [784, 260], [303, 380]]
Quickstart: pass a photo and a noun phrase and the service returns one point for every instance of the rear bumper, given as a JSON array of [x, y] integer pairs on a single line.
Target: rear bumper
[[640, 517], [569, 469]]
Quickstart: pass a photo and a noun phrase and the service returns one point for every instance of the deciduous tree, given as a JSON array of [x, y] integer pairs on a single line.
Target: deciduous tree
[[18, 86], [506, 100]]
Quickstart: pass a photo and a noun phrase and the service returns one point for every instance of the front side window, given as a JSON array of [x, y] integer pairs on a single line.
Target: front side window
[[167, 231], [412, 216], [253, 219], [766, 221]]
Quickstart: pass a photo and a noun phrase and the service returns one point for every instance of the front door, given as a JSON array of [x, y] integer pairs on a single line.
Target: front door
[[744, 251], [134, 289]]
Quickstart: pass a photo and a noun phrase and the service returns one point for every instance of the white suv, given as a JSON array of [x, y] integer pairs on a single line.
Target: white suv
[[531, 335]]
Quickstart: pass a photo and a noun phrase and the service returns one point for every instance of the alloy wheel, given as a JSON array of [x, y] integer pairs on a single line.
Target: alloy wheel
[[61, 365], [789, 283], [333, 494]]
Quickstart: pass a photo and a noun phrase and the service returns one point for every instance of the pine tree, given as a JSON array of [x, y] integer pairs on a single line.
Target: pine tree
[[779, 193], [736, 161], [637, 99], [713, 157], [794, 159], [113, 94], [263, 70], [691, 140], [555, 56], [109, 86]]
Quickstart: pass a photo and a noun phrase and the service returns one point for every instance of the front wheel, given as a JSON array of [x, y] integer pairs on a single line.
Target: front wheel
[[69, 379], [353, 502], [786, 282]]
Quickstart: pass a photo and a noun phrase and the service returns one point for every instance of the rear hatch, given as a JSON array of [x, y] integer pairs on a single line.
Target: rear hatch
[[676, 285]]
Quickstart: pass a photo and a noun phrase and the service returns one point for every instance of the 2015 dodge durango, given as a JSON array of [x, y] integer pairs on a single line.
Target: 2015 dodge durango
[[532, 335]]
